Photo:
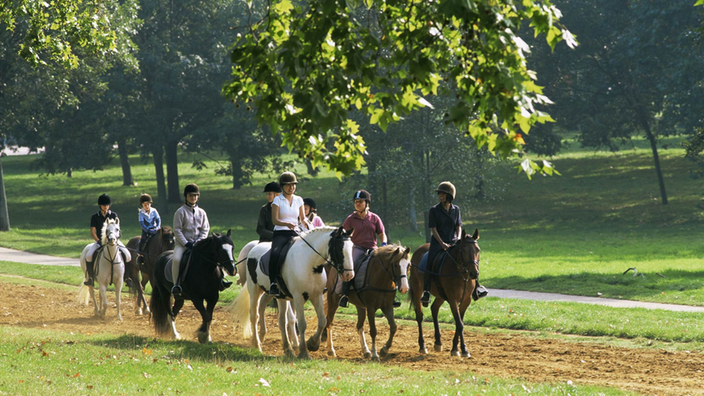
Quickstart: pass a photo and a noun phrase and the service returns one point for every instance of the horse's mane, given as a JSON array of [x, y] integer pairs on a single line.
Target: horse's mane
[[386, 253], [104, 235], [166, 230], [315, 231]]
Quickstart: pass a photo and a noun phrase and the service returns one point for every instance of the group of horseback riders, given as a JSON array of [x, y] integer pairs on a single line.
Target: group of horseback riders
[[279, 221]]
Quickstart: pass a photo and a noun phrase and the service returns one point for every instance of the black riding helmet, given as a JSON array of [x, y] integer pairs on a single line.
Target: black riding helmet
[[363, 194], [191, 188], [104, 200], [310, 202], [145, 198], [272, 187]]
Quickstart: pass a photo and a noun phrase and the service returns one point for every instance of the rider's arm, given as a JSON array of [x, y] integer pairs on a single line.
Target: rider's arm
[[144, 221], [444, 245], [275, 218], [178, 229], [262, 231], [157, 220], [303, 219], [94, 235]]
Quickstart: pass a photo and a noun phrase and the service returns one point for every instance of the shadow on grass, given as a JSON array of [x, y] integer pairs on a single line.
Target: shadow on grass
[[643, 286]]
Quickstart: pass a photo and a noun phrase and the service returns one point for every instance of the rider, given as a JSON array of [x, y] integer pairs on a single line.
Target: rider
[[445, 223], [149, 220], [265, 228], [286, 212], [367, 226], [311, 212], [96, 231], [190, 226]]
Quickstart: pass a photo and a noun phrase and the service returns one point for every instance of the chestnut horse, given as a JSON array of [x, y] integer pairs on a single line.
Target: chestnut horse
[[454, 282], [162, 241], [386, 272]]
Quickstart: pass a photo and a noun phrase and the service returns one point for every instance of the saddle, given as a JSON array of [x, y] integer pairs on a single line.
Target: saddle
[[436, 266], [264, 266], [183, 266], [361, 266]]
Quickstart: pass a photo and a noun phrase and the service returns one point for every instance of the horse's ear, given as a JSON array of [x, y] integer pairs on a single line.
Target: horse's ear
[[117, 221], [476, 234], [407, 251], [350, 232], [229, 232]]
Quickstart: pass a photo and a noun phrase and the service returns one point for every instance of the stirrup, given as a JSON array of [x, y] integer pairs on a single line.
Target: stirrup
[[224, 284], [343, 302], [140, 260], [479, 292], [397, 303], [177, 291], [89, 282], [274, 290], [425, 299]]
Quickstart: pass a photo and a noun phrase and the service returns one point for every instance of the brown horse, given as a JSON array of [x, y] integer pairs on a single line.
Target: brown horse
[[162, 241], [387, 271], [454, 282]]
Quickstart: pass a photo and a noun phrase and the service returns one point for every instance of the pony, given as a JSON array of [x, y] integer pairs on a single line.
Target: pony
[[386, 272], [454, 282], [208, 259], [108, 268], [162, 241], [305, 278]]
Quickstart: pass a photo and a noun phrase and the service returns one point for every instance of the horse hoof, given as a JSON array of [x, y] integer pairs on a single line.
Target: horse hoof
[[313, 346], [304, 356], [138, 312], [384, 351], [332, 354], [466, 355], [367, 355], [455, 353], [438, 348], [290, 354], [376, 359], [423, 350]]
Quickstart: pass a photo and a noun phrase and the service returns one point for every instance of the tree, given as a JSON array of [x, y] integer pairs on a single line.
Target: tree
[[636, 72], [304, 66], [52, 36]]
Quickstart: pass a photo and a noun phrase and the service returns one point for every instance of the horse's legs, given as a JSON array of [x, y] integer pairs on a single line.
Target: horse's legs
[[389, 313], [203, 332], [91, 290], [459, 328], [103, 298], [463, 309], [263, 302], [291, 327], [255, 295], [298, 303], [332, 302], [416, 290], [283, 316], [434, 309], [361, 317], [118, 292], [319, 305], [372, 332]]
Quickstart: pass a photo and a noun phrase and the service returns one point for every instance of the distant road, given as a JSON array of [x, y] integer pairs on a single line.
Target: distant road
[[18, 256], [16, 150]]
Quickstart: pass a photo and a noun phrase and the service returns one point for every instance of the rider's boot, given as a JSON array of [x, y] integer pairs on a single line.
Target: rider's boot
[[89, 269], [140, 261], [345, 290], [479, 292], [425, 298], [274, 290], [224, 284], [176, 291]]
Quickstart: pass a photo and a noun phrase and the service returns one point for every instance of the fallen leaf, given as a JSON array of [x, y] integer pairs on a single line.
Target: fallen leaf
[[264, 382]]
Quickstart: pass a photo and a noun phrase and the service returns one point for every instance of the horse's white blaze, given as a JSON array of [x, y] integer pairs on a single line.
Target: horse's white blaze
[[403, 264], [228, 249], [348, 262]]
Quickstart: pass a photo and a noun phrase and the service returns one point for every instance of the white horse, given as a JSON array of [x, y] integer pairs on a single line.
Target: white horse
[[305, 278], [108, 267]]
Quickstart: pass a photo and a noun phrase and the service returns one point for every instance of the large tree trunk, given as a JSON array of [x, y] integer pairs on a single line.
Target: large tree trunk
[[4, 214], [656, 158], [158, 154], [172, 171], [127, 179], [236, 174]]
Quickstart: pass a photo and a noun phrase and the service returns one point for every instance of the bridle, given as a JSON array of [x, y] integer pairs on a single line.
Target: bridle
[[339, 267]]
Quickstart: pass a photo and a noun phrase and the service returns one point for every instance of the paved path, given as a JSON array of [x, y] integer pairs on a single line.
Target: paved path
[[32, 258]]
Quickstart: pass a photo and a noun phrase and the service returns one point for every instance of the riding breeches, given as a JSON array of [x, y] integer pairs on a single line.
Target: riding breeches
[[278, 241], [176, 263]]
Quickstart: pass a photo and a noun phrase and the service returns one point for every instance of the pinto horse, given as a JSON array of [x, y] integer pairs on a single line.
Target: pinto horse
[[108, 269], [305, 278], [386, 272], [208, 259], [162, 241], [454, 282]]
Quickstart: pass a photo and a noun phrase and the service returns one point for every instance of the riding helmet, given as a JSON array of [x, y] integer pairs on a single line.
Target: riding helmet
[[104, 200], [145, 198], [363, 194], [272, 187], [287, 178], [191, 188], [310, 202], [448, 188]]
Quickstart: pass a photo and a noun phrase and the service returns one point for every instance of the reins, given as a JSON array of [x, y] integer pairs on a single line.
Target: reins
[[393, 278], [338, 267], [464, 270]]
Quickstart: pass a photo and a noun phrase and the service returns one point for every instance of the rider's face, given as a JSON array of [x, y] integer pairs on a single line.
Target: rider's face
[[146, 206], [270, 195], [192, 198], [289, 188], [360, 205], [442, 197], [104, 208]]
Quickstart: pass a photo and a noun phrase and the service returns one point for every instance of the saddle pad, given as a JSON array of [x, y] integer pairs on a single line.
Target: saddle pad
[[168, 268], [168, 271], [360, 273], [264, 259], [439, 260]]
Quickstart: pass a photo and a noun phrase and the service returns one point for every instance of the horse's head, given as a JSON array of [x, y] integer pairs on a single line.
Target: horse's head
[[111, 232], [224, 248], [340, 252], [397, 257], [467, 255], [167, 238]]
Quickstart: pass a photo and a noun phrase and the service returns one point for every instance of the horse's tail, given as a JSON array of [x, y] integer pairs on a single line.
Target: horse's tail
[[242, 262], [83, 295], [239, 312], [160, 305]]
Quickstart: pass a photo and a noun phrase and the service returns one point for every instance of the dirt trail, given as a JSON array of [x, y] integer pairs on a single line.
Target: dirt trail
[[515, 355]]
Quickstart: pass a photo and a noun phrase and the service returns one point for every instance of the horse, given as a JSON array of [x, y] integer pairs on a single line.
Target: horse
[[305, 278], [162, 241], [454, 282], [108, 268], [208, 259], [386, 272]]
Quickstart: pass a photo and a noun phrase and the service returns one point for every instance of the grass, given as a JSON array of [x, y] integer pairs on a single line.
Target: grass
[[42, 362]]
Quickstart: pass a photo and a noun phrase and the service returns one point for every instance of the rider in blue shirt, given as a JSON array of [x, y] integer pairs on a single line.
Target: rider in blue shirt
[[149, 220]]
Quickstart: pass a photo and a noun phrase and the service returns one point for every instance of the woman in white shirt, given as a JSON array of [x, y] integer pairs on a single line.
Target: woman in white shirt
[[286, 212]]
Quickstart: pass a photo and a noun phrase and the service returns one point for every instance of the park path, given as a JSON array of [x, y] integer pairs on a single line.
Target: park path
[[33, 258]]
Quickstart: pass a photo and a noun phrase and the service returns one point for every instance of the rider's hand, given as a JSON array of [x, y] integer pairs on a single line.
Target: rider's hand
[[291, 225], [445, 246], [189, 245]]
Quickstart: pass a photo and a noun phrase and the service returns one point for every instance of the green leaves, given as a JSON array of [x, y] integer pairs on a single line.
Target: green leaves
[[381, 58]]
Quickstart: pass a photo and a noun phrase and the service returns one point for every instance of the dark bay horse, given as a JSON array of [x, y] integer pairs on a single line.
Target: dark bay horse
[[162, 241], [386, 272], [454, 282], [208, 258]]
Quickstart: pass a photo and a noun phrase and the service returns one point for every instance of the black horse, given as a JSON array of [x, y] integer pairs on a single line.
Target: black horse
[[208, 259]]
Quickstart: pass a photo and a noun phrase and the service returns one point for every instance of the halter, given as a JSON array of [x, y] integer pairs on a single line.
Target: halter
[[217, 262], [395, 279], [464, 270], [338, 267]]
